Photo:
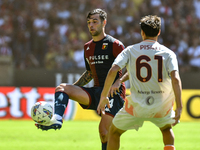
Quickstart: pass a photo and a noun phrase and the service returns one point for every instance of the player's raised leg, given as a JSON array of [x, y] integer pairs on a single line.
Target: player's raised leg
[[168, 137], [63, 93]]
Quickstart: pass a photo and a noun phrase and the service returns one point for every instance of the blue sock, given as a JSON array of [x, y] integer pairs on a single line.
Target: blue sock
[[104, 146], [61, 101]]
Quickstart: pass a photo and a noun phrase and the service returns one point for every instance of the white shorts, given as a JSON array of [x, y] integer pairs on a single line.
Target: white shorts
[[125, 121]]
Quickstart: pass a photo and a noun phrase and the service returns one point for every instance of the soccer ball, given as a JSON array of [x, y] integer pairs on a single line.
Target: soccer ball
[[41, 112]]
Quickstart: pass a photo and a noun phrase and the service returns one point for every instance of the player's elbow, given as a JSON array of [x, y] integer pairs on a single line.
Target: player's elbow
[[114, 69], [175, 81], [175, 78]]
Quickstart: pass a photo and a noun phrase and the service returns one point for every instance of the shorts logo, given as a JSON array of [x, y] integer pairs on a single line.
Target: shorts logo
[[104, 46], [111, 101], [150, 100]]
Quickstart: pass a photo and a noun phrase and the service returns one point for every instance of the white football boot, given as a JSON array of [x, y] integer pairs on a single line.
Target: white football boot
[[53, 124]]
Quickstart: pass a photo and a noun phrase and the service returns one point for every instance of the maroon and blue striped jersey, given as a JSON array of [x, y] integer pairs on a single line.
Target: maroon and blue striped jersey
[[99, 57]]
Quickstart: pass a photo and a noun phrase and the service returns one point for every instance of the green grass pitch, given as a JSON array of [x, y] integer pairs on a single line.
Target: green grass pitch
[[83, 135]]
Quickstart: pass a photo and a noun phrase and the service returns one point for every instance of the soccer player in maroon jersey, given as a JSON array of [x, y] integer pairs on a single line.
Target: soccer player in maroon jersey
[[99, 54]]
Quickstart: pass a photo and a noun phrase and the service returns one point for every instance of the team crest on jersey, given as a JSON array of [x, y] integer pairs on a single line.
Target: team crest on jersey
[[104, 46]]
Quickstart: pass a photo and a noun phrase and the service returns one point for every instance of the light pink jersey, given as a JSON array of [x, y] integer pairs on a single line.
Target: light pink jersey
[[149, 65]]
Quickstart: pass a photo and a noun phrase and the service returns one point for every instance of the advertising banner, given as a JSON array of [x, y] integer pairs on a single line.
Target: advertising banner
[[16, 103]]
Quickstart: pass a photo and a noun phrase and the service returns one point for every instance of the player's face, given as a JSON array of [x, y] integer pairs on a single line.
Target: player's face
[[95, 25]]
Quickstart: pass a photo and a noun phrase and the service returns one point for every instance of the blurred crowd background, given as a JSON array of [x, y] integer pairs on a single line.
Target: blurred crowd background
[[50, 34]]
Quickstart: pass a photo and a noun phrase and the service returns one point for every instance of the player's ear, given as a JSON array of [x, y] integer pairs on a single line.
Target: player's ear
[[142, 34], [159, 32], [104, 22]]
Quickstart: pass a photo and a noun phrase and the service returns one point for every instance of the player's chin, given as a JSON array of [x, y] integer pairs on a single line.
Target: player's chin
[[94, 33]]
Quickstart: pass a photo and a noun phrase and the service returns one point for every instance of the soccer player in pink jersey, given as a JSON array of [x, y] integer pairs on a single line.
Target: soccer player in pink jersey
[[155, 86]]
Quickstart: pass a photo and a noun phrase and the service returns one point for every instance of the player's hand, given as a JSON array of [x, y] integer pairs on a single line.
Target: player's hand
[[177, 116], [102, 103], [114, 88]]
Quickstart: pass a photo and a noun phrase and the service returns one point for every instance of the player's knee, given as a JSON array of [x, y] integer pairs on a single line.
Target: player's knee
[[167, 131], [165, 128], [115, 132]]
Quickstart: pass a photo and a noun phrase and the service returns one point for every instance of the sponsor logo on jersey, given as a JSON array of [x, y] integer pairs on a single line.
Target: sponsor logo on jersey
[[99, 59], [87, 48], [104, 46]]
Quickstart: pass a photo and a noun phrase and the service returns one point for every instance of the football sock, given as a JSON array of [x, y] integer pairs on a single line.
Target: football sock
[[61, 101], [104, 146], [169, 147]]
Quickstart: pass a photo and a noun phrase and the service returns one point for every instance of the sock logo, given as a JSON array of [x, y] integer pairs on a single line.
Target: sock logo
[[60, 97]]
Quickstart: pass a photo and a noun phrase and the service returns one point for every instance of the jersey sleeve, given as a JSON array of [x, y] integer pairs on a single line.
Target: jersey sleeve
[[172, 63], [122, 59], [118, 47]]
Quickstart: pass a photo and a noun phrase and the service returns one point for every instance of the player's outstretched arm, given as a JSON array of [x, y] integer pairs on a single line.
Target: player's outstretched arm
[[85, 78], [177, 87], [107, 85], [115, 87]]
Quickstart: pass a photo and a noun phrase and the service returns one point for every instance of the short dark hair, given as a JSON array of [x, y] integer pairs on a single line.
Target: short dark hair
[[102, 14], [151, 25]]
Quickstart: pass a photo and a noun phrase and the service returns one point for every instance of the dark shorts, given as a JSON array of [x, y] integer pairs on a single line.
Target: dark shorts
[[94, 93]]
